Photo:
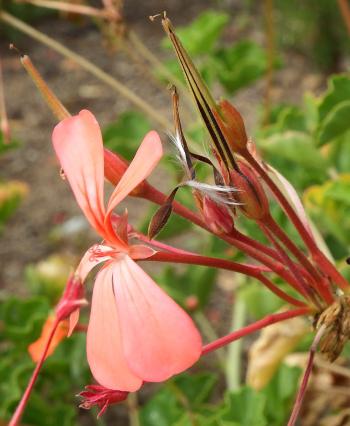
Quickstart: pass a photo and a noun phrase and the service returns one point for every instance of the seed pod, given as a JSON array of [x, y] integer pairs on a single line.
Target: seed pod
[[162, 215], [250, 195], [337, 322], [204, 101]]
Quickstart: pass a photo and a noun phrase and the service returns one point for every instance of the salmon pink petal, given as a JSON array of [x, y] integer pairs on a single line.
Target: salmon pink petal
[[78, 144], [145, 160], [104, 349], [73, 321], [139, 251], [95, 255], [159, 339]]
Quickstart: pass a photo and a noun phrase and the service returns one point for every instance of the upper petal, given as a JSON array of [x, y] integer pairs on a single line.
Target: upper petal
[[142, 165], [104, 349], [158, 337], [78, 144]]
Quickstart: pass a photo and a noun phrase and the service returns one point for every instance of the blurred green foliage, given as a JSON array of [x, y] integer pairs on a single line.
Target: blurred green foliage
[[52, 402], [234, 66], [188, 399], [310, 145]]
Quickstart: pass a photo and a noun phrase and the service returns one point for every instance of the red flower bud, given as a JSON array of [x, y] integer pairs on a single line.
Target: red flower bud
[[72, 298], [216, 216], [251, 195], [102, 397], [232, 125]]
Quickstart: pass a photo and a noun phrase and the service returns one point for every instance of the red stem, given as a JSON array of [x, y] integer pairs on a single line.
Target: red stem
[[158, 197], [256, 244], [318, 281], [23, 402], [318, 256], [306, 290], [288, 243], [249, 270], [302, 389], [258, 325]]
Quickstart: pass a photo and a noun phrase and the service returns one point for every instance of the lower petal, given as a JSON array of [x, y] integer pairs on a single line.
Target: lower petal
[[104, 350], [158, 337]]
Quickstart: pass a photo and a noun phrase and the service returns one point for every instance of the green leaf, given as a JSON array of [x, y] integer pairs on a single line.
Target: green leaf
[[280, 394], [259, 300], [162, 410], [338, 91], [329, 206], [201, 35], [239, 65], [336, 123], [125, 135], [297, 147], [196, 388], [245, 408], [52, 402], [22, 319], [339, 154]]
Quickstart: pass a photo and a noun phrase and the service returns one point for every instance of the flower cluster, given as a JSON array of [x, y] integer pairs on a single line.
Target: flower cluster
[[136, 332]]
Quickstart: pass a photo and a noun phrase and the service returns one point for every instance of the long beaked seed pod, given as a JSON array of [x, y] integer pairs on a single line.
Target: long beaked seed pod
[[204, 101], [51, 99]]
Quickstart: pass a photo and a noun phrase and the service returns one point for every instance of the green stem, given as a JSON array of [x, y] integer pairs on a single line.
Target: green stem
[[210, 334], [133, 410], [233, 364], [115, 84]]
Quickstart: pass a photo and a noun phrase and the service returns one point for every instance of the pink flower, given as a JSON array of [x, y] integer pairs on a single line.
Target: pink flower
[[136, 331]]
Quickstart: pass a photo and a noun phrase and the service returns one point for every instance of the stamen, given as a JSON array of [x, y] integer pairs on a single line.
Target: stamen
[[97, 253]]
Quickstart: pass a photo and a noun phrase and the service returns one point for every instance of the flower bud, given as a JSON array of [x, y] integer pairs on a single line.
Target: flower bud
[[102, 397], [72, 298], [216, 216], [250, 194], [232, 125]]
